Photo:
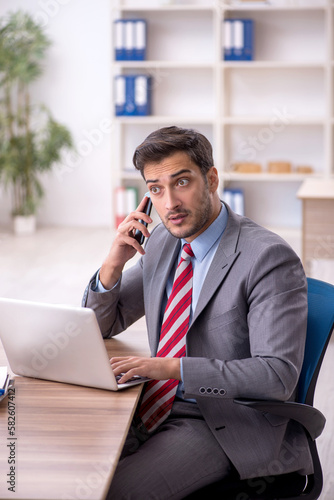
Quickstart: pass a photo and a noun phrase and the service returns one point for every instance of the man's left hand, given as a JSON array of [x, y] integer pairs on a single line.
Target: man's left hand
[[154, 368]]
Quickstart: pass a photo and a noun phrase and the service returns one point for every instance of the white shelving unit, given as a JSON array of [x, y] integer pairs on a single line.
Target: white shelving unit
[[278, 107]]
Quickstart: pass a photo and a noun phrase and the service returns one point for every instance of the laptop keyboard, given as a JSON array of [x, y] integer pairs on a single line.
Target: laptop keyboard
[[132, 379]]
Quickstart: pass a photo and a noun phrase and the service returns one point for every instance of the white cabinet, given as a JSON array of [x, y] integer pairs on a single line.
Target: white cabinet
[[278, 107]]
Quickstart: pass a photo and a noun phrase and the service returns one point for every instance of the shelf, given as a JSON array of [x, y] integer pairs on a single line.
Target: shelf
[[231, 120], [147, 64], [277, 107], [159, 8], [164, 64], [222, 6], [266, 120], [171, 29], [273, 64], [163, 120], [282, 37], [300, 91], [272, 8], [265, 177]]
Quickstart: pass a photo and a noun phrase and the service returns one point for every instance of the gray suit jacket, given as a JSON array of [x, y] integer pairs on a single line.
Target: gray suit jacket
[[246, 338]]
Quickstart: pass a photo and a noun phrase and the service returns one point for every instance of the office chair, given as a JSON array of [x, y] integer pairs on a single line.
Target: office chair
[[293, 486]]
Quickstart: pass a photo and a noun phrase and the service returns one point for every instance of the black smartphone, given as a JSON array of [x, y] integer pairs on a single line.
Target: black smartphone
[[147, 210]]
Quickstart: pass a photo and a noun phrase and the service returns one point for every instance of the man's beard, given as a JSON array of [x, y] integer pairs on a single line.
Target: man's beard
[[202, 215]]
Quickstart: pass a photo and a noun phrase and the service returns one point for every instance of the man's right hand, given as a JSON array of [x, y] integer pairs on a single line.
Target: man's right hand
[[124, 246]]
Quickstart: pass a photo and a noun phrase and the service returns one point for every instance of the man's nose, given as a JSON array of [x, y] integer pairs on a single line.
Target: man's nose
[[171, 201]]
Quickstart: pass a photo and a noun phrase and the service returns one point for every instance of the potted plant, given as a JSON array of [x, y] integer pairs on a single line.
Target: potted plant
[[31, 141]]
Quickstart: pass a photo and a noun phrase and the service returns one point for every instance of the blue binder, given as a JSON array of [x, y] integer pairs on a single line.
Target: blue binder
[[120, 94], [243, 40], [235, 199], [130, 39], [133, 95], [238, 42], [140, 40], [119, 40], [142, 95], [227, 39]]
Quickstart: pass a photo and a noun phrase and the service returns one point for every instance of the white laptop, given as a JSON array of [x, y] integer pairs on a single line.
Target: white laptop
[[56, 342]]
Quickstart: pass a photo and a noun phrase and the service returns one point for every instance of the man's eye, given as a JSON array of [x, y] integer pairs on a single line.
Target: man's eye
[[154, 190], [183, 182]]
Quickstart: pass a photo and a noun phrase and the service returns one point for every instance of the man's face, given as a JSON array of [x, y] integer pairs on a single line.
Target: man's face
[[185, 203]]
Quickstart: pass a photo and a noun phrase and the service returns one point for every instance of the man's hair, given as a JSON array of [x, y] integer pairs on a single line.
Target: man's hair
[[166, 141]]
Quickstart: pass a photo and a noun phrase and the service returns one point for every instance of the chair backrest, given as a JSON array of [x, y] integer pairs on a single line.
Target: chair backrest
[[320, 324]]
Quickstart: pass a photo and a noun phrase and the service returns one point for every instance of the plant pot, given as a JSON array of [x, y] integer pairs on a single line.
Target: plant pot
[[24, 224]]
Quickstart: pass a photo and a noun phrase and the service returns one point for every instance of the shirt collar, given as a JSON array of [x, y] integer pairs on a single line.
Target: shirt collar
[[205, 241]]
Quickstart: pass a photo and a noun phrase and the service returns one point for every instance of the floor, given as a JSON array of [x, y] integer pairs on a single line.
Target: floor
[[55, 265]]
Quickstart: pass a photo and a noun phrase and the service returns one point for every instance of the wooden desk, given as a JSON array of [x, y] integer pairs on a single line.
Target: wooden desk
[[317, 197], [68, 438]]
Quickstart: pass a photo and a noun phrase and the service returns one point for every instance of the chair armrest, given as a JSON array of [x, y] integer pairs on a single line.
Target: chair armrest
[[310, 418]]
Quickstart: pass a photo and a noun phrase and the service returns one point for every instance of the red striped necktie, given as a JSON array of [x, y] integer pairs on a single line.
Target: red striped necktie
[[159, 394]]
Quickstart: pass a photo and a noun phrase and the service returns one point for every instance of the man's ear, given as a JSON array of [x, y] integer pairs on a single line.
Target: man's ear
[[213, 179]]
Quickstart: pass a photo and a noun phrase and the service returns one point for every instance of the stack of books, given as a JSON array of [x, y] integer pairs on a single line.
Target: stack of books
[[130, 39], [238, 40], [133, 95]]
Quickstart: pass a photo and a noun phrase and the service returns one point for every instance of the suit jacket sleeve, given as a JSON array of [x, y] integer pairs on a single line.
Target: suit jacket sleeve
[[259, 348], [119, 307]]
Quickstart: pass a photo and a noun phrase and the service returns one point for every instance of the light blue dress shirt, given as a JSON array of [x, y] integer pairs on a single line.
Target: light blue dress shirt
[[204, 248]]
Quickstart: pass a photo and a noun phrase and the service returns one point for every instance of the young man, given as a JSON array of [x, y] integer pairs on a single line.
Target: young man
[[235, 327]]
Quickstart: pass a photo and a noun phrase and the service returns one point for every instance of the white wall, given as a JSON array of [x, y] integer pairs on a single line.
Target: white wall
[[76, 86]]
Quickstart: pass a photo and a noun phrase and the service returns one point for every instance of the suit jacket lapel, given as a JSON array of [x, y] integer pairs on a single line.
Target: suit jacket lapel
[[223, 260]]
